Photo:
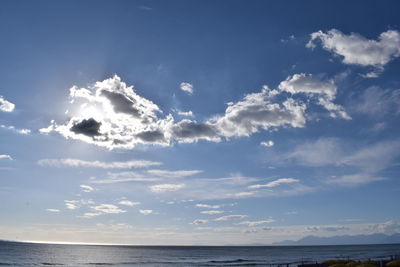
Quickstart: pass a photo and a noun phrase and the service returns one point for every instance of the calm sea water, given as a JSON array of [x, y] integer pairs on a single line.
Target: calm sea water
[[27, 254]]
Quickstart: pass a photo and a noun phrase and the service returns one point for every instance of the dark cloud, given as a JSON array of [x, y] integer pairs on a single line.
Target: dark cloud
[[121, 103], [89, 127], [151, 136], [192, 130]]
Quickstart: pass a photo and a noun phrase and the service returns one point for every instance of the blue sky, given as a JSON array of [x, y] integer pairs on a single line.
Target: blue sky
[[198, 122]]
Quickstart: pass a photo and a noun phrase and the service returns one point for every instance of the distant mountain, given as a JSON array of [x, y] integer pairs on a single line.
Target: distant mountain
[[343, 240]]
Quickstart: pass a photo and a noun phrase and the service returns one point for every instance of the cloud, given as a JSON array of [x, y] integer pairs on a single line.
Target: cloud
[[211, 212], [230, 217], [69, 162], [108, 208], [188, 131], [53, 210], [274, 183], [86, 188], [123, 177], [256, 223], [378, 102], [76, 204], [12, 128], [146, 212], [256, 111], [110, 114], [128, 203], [199, 221], [356, 49], [187, 87], [365, 163], [269, 143], [206, 206], [5, 105], [174, 174], [159, 188], [184, 113], [324, 91], [3, 156]]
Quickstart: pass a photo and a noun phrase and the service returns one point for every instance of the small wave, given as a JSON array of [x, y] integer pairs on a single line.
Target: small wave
[[228, 261]]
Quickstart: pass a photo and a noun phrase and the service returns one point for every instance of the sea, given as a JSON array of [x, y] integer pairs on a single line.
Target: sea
[[34, 254]]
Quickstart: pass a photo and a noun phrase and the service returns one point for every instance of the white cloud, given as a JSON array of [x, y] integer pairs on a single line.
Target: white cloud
[[146, 212], [128, 203], [211, 212], [159, 188], [256, 223], [124, 177], [378, 102], [230, 217], [256, 111], [325, 92], [199, 221], [53, 210], [184, 113], [86, 188], [76, 204], [107, 208], [97, 164], [3, 156], [6, 106], [206, 206], [355, 179], [187, 87], [356, 49], [274, 183], [110, 114], [14, 129], [174, 174], [269, 143]]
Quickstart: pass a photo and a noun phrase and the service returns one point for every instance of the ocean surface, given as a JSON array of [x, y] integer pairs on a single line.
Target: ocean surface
[[32, 254]]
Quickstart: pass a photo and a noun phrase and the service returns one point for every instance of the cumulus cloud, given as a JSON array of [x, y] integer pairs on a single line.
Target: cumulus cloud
[[358, 50], [6, 106], [160, 188], [76, 204], [112, 115], [269, 143], [274, 183], [324, 91], [69, 162], [3, 156], [146, 212], [256, 223], [256, 111], [184, 113], [187, 87], [230, 217], [86, 188], [128, 203]]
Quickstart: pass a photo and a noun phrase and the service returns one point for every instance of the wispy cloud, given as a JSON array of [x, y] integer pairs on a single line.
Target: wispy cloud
[[86, 188], [207, 206], [230, 217], [53, 210], [70, 162], [256, 223], [275, 183], [160, 188], [4, 156], [211, 212], [269, 143], [14, 129], [145, 212], [174, 174]]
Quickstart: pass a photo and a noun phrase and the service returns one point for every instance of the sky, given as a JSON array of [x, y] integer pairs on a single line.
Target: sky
[[198, 122]]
